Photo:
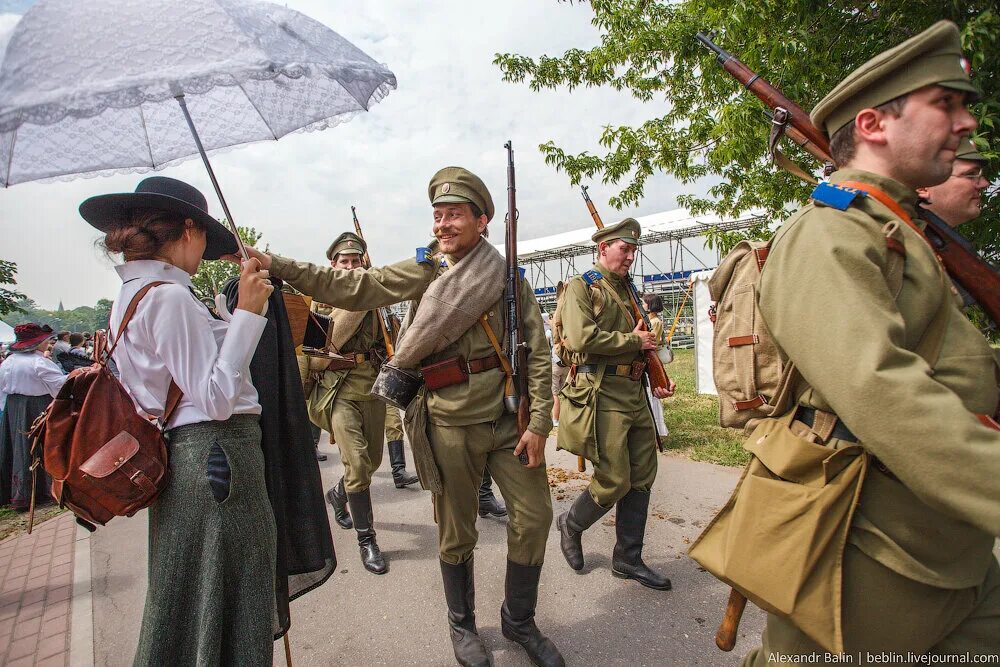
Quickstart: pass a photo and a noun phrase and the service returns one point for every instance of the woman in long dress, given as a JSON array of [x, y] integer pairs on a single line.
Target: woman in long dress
[[28, 381], [211, 596]]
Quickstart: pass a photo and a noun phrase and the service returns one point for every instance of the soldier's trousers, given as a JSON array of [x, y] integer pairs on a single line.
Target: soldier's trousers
[[358, 427], [888, 614], [393, 423], [626, 444], [462, 452]]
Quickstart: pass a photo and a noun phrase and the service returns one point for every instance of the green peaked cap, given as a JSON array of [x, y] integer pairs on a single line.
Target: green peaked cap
[[347, 243], [627, 230], [932, 57], [456, 185], [968, 151]]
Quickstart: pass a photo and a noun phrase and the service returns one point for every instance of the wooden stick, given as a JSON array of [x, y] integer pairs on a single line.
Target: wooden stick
[[288, 651], [581, 464], [725, 638]]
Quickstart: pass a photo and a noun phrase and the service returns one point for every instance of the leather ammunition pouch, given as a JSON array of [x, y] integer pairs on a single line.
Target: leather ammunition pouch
[[455, 370]]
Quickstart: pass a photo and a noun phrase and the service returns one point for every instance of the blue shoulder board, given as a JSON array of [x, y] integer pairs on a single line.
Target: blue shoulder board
[[591, 277], [836, 196], [520, 270], [424, 256]]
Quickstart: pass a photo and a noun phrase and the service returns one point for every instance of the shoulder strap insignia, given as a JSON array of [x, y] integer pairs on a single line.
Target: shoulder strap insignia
[[591, 277], [521, 270], [836, 196], [424, 256]]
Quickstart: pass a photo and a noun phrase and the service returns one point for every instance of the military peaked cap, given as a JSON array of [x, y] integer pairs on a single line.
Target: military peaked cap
[[968, 151], [347, 243], [932, 57], [627, 230], [460, 186]]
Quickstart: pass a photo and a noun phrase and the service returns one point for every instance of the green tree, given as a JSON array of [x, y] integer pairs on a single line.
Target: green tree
[[212, 275], [709, 126], [8, 298]]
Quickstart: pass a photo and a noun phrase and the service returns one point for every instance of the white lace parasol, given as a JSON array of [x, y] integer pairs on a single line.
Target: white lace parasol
[[90, 87]]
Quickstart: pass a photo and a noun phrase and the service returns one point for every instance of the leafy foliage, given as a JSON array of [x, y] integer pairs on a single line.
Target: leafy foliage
[[8, 297], [710, 127], [212, 275], [83, 318]]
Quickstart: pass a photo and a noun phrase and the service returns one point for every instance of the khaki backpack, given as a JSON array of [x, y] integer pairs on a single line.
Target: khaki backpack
[[752, 378]]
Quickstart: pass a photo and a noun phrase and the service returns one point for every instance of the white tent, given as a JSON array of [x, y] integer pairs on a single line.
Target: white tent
[[6, 332], [704, 332]]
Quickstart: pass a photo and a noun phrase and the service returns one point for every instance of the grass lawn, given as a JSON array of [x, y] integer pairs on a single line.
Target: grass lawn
[[13, 522], [693, 420]]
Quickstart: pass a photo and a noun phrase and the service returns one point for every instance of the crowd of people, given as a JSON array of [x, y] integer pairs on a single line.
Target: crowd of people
[[924, 527]]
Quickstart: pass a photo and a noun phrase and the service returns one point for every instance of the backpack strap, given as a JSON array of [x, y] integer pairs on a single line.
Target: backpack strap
[[174, 393]]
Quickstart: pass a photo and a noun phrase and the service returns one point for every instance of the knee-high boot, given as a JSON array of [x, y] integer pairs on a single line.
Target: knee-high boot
[[517, 616]]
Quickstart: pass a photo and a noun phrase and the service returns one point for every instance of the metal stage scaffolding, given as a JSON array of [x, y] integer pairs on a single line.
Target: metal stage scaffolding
[[664, 263]]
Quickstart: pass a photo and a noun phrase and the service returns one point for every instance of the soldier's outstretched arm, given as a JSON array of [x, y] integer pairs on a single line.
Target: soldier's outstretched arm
[[356, 289], [581, 330], [826, 301], [539, 364]]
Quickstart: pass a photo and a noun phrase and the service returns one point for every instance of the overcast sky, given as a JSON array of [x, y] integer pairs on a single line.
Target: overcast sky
[[450, 107]]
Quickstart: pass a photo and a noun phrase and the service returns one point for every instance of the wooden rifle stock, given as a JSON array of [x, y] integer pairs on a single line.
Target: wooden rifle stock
[[384, 319], [965, 266], [725, 638]]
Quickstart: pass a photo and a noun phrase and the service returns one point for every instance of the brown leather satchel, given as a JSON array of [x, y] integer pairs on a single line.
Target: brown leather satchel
[[105, 459]]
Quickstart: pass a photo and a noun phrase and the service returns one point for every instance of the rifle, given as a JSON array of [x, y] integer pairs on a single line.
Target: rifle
[[516, 393], [655, 373], [384, 316], [974, 274]]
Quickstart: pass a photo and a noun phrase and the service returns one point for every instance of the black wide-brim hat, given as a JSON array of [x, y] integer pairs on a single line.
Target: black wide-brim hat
[[107, 212]]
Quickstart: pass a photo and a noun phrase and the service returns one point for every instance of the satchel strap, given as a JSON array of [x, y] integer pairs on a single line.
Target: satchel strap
[[174, 393]]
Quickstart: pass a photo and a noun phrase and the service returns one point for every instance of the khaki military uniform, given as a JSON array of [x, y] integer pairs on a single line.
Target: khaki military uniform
[[921, 541], [393, 424], [357, 417], [605, 417], [468, 427]]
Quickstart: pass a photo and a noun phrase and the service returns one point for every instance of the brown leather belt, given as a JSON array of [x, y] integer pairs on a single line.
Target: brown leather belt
[[483, 364], [622, 370]]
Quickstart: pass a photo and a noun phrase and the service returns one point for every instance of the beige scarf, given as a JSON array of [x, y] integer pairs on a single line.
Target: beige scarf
[[452, 305]]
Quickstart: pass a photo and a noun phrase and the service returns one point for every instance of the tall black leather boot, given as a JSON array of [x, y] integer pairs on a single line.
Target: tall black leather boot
[[337, 497], [371, 555], [630, 525], [488, 503], [460, 594], [581, 515], [397, 461], [517, 616]]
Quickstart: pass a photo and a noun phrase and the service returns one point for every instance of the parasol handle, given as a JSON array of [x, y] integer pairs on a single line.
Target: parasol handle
[[220, 301]]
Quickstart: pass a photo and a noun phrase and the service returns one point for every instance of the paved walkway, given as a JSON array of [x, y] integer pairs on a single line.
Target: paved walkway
[[36, 587], [357, 618]]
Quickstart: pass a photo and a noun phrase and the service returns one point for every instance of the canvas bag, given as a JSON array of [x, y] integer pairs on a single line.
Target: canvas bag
[[780, 538]]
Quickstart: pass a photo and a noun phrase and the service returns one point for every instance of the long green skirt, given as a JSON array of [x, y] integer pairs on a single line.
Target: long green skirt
[[211, 561]]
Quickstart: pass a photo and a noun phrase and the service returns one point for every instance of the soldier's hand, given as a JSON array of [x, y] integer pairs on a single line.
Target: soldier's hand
[[534, 444], [647, 337], [263, 258], [668, 391]]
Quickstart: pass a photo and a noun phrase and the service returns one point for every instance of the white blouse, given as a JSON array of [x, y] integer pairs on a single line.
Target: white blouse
[[30, 374], [173, 335]]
